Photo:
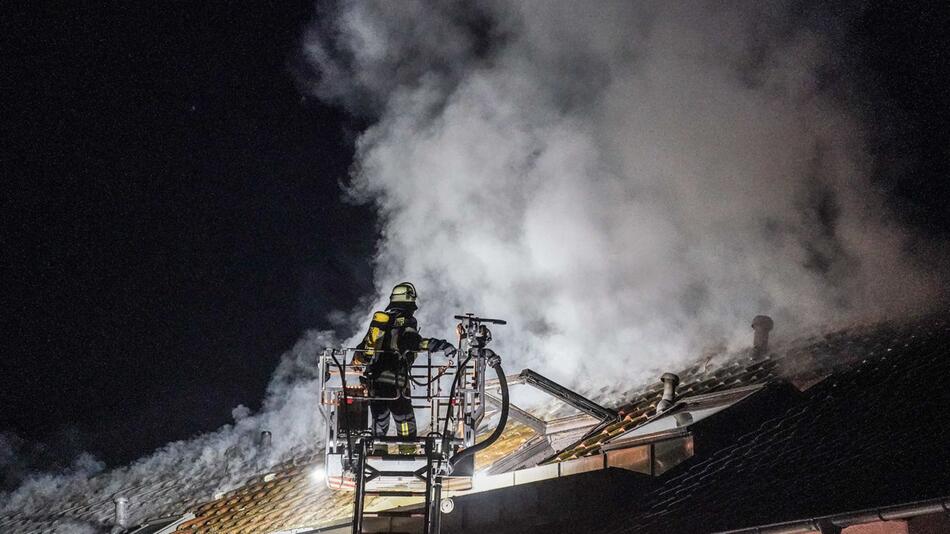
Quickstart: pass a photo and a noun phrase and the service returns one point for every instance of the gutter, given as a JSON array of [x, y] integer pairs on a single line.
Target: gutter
[[834, 523]]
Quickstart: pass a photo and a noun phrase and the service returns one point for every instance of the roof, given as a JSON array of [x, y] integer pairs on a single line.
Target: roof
[[156, 487], [854, 411], [871, 433], [743, 370], [291, 497], [803, 361]]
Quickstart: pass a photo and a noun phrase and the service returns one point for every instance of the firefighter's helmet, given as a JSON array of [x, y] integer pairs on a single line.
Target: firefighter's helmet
[[403, 293]]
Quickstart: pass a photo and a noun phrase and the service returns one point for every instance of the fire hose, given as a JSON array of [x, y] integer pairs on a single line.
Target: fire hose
[[494, 361]]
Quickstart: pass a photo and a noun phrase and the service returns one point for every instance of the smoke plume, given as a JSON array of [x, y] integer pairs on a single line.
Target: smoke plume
[[626, 183]]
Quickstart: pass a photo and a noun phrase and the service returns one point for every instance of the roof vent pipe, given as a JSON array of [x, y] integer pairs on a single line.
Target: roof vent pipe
[[265, 440], [670, 381], [762, 324], [121, 511]]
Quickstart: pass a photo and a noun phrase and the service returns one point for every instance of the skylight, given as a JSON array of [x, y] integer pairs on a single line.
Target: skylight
[[683, 414]]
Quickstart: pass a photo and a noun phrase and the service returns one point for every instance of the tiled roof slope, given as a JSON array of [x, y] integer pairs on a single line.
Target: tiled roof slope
[[872, 434], [282, 497], [804, 361], [261, 507], [80, 504], [292, 498]]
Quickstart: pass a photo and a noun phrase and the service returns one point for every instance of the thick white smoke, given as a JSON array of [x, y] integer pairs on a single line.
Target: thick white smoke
[[626, 183]]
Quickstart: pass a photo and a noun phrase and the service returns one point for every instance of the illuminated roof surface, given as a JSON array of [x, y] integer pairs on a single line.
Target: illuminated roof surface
[[857, 380]]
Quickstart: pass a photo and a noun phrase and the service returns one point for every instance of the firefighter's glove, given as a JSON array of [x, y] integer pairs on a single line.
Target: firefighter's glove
[[441, 345]]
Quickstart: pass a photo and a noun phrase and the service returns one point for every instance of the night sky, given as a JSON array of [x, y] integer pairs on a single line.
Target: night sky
[[171, 219], [171, 212]]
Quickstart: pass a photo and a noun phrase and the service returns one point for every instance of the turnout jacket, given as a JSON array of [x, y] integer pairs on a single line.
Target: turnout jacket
[[389, 347]]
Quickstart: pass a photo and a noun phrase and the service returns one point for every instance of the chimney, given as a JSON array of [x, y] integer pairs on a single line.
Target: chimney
[[762, 324], [670, 381], [265, 440], [121, 512]]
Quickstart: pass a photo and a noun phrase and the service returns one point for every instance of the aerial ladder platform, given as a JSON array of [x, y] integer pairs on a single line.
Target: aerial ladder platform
[[450, 390]]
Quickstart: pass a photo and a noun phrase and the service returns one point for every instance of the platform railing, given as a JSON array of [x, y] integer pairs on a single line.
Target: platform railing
[[431, 376]]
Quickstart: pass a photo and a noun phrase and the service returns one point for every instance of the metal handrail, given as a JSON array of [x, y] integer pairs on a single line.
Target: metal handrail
[[433, 374]]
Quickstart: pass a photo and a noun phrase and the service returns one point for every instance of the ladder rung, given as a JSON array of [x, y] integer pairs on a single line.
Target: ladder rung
[[397, 456], [395, 493], [399, 439], [395, 513], [395, 473]]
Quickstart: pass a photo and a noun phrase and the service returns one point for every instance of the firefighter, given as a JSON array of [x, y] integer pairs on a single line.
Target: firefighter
[[386, 354]]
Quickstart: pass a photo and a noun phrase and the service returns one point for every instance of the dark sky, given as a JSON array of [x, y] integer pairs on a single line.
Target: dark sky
[[171, 214], [171, 218]]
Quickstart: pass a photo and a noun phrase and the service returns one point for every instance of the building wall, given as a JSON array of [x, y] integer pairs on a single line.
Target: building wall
[[879, 527], [926, 524], [930, 524]]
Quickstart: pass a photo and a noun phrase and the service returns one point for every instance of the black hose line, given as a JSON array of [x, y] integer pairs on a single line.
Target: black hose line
[[448, 414], [349, 434], [495, 362]]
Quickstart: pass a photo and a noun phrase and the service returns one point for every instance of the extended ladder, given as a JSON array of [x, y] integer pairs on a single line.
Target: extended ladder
[[366, 473]]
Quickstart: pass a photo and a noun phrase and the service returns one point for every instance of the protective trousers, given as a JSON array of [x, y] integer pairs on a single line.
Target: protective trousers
[[401, 410]]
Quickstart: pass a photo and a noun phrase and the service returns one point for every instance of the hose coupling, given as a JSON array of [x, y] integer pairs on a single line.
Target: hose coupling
[[494, 360]]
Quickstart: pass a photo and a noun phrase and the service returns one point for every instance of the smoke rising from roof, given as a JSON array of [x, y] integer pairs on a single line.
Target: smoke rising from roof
[[626, 183]]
